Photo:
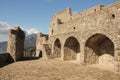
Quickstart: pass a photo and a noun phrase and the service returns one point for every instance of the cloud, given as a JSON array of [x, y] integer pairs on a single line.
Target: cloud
[[4, 27], [31, 31]]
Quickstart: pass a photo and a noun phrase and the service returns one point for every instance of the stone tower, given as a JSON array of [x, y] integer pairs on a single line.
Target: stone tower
[[16, 43], [40, 41]]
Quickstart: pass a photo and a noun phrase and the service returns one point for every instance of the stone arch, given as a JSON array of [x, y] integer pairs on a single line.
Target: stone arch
[[57, 49], [99, 49], [71, 48]]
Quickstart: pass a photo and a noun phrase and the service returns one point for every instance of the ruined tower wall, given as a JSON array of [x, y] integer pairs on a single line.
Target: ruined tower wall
[[86, 18], [59, 18], [41, 39], [97, 20], [66, 16], [63, 15], [90, 37], [104, 20], [16, 43]]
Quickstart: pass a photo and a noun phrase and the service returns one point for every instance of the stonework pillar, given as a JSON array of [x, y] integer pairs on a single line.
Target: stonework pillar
[[52, 49], [38, 44], [117, 64], [82, 53], [16, 43], [62, 52]]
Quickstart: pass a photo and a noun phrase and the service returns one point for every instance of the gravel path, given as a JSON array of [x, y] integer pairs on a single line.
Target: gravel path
[[53, 69]]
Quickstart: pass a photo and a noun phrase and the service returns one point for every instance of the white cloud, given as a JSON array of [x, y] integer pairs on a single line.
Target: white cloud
[[4, 28], [31, 31]]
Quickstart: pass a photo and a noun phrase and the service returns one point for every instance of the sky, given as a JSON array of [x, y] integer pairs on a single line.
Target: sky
[[34, 15]]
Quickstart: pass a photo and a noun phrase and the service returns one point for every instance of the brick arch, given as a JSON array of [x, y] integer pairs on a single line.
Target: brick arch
[[57, 48], [99, 49], [71, 48]]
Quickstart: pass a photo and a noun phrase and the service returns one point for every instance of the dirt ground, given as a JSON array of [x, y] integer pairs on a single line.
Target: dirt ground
[[53, 69]]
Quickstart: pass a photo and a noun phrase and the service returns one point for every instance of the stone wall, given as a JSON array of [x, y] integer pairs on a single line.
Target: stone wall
[[95, 33], [47, 51], [92, 21], [82, 26], [5, 58], [60, 18], [41, 39], [87, 12], [16, 43], [57, 49]]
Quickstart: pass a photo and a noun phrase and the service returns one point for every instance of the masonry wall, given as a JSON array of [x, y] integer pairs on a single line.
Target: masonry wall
[[16, 43], [41, 39], [88, 19], [87, 12], [83, 25], [59, 18], [5, 59], [89, 37], [104, 20]]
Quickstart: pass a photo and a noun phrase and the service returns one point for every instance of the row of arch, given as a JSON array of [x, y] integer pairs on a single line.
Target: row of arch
[[98, 49]]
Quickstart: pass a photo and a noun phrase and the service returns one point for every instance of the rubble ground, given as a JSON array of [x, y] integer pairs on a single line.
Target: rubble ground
[[54, 69]]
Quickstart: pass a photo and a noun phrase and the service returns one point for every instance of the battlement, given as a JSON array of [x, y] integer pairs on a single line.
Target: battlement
[[61, 17], [60, 20], [66, 15], [87, 12]]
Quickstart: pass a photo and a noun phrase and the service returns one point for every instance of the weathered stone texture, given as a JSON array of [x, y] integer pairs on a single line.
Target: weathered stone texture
[[117, 64], [47, 51], [96, 34], [71, 48], [57, 49], [16, 43], [41, 39]]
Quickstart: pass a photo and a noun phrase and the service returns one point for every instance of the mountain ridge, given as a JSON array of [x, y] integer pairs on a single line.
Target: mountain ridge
[[30, 41]]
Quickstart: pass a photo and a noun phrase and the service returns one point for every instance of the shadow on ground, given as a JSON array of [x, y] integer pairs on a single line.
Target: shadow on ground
[[6, 59], [30, 58]]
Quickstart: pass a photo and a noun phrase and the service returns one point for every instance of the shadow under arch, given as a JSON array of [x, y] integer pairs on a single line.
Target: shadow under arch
[[57, 49], [99, 49], [71, 48]]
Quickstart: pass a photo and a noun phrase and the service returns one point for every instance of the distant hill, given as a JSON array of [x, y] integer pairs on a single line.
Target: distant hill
[[3, 46], [30, 41], [30, 44]]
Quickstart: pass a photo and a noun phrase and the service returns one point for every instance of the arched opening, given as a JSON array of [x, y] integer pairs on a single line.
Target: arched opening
[[57, 49], [40, 54], [99, 49], [71, 48]]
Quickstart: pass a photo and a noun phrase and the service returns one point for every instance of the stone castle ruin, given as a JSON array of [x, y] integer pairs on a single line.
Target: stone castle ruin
[[16, 43], [88, 37], [15, 47]]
